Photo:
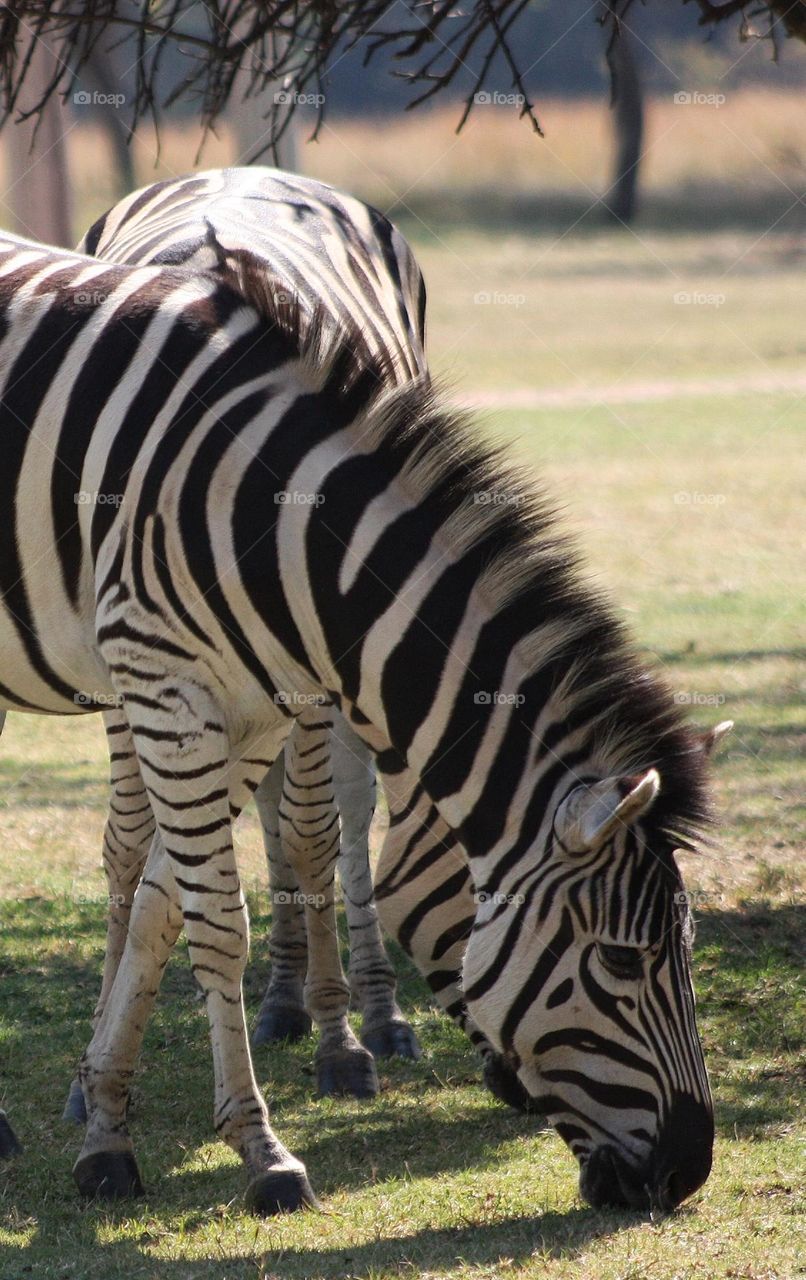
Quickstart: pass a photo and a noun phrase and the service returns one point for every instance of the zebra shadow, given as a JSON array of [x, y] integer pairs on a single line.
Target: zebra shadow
[[549, 1236], [748, 970]]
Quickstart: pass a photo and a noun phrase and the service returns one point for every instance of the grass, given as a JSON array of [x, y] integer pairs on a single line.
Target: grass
[[673, 435]]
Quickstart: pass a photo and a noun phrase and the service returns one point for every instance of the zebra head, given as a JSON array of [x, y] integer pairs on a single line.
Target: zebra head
[[581, 980]]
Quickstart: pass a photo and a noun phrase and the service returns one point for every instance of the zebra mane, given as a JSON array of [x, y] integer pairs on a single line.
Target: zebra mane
[[332, 352], [635, 723], [437, 453]]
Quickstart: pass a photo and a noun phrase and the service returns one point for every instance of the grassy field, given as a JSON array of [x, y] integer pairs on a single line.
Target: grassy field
[[672, 430]]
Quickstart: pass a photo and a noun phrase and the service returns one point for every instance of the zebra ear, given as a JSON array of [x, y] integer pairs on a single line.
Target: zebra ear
[[708, 742], [589, 815]]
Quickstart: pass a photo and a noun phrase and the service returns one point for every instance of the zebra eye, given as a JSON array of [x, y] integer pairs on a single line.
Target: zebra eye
[[621, 962]]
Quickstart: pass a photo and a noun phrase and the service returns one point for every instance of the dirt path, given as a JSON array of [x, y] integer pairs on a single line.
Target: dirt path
[[634, 392]]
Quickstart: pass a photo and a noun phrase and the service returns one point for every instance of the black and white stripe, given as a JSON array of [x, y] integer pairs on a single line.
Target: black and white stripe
[[455, 634], [333, 253]]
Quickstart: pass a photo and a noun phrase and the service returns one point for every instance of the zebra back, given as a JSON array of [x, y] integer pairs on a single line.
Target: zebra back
[[324, 248]]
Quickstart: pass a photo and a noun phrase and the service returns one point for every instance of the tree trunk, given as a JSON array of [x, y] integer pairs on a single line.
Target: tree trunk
[[621, 199], [39, 192]]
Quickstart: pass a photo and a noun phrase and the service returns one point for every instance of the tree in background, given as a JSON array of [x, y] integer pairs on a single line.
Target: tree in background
[[276, 55]]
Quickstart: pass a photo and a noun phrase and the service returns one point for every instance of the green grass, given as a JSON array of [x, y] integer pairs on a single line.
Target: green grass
[[434, 1178]]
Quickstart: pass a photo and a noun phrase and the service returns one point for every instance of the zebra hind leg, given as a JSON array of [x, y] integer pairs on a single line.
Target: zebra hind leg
[[384, 1030], [282, 1014], [127, 838], [309, 829]]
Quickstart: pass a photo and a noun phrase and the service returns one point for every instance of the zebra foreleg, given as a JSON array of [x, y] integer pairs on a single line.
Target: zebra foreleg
[[373, 985], [191, 877], [127, 838], [106, 1166], [282, 1014], [309, 830]]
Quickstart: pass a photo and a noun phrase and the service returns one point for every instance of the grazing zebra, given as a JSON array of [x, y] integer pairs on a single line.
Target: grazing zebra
[[452, 629], [329, 250]]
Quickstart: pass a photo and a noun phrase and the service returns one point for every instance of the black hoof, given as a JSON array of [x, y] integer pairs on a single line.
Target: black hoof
[[75, 1108], [392, 1040], [9, 1143], [503, 1082], [350, 1071], [284, 1191], [109, 1175], [286, 1022]]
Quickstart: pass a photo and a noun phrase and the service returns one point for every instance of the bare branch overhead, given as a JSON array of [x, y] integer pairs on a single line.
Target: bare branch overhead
[[290, 45]]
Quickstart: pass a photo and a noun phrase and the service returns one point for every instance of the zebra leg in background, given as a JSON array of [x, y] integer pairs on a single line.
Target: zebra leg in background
[[127, 839], [184, 753], [425, 899], [9, 1143], [309, 830], [282, 1015], [384, 1030]]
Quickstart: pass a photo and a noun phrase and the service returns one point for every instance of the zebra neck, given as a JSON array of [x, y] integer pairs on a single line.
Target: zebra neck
[[498, 748]]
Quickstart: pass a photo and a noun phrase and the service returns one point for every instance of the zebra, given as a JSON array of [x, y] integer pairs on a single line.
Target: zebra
[[296, 223], [321, 247], [454, 630]]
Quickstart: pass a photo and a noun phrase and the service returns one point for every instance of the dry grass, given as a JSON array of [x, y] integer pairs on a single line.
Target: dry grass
[[750, 149], [734, 158]]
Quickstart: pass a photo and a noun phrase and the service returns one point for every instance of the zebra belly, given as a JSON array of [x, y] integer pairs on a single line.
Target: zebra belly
[[52, 668]]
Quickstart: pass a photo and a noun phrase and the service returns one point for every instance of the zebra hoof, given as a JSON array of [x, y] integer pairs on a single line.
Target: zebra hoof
[[75, 1108], [392, 1040], [282, 1191], [9, 1143], [504, 1084], [287, 1022], [108, 1175], [348, 1071]]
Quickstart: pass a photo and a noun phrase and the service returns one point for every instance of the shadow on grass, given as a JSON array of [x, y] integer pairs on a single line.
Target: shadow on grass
[[24, 788], [556, 1235], [697, 208], [693, 658], [748, 969]]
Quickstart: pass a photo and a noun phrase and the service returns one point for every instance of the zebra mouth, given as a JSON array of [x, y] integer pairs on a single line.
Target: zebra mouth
[[606, 1180]]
